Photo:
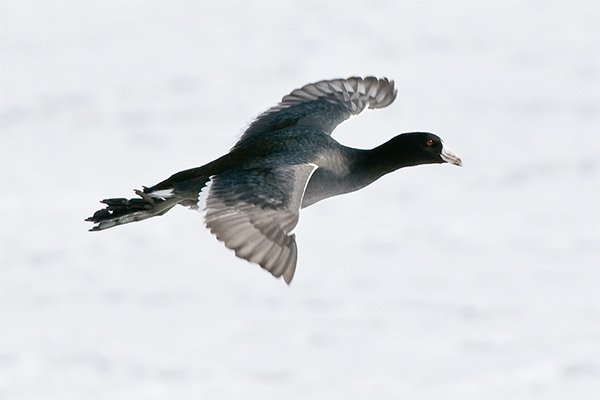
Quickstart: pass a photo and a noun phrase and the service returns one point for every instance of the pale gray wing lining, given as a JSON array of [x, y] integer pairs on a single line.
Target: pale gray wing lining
[[255, 225], [353, 93], [324, 105]]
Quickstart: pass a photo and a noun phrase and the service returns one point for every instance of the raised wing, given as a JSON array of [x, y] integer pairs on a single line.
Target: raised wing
[[324, 105], [254, 210]]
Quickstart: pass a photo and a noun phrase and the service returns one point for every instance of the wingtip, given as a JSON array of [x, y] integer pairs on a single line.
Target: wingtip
[[288, 274]]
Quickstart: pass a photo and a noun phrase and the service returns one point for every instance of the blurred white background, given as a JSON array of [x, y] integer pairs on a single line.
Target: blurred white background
[[435, 282]]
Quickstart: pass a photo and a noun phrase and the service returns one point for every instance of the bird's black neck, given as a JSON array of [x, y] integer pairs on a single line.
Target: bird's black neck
[[383, 159]]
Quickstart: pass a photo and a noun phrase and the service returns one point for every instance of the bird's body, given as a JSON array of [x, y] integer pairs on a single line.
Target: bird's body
[[286, 160]]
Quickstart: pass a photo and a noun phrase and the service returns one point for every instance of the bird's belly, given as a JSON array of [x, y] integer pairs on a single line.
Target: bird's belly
[[326, 183]]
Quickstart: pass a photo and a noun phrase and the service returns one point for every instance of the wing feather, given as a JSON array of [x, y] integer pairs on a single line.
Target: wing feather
[[323, 105], [258, 226]]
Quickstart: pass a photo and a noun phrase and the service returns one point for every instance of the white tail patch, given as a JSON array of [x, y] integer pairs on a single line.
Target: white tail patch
[[162, 194]]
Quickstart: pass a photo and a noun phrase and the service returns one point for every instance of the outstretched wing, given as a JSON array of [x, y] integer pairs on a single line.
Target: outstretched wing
[[324, 105], [254, 210]]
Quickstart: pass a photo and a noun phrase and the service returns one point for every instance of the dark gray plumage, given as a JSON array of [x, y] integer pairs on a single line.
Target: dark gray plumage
[[284, 161]]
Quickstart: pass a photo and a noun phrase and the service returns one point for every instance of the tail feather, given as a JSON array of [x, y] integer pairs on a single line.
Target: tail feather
[[181, 188]]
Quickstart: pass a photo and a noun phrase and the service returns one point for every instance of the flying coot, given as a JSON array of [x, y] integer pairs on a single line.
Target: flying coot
[[286, 160]]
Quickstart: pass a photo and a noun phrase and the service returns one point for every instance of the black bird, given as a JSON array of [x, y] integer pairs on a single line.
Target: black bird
[[286, 160]]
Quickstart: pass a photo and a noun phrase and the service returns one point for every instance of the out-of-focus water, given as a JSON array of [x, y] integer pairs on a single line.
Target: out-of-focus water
[[434, 282]]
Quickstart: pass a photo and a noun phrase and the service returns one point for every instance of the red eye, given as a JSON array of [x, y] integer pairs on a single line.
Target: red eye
[[430, 142]]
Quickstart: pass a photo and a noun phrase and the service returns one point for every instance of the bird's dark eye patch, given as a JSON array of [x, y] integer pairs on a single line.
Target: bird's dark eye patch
[[430, 142]]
